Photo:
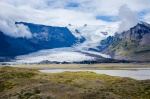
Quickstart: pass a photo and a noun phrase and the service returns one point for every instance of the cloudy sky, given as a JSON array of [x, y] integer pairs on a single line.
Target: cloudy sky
[[76, 12]]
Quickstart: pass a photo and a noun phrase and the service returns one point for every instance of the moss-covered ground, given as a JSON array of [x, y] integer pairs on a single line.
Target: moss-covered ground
[[21, 83]]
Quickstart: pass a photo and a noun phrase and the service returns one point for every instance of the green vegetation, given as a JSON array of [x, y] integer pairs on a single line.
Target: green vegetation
[[100, 66], [129, 49], [19, 83]]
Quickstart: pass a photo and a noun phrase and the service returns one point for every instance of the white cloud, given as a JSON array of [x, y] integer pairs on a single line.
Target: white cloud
[[8, 27], [128, 18], [57, 12]]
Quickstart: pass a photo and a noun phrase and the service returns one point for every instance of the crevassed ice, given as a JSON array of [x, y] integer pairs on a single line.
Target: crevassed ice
[[92, 35], [59, 55]]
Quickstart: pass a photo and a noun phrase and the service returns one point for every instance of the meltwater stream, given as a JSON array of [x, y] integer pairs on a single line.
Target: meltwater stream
[[139, 74]]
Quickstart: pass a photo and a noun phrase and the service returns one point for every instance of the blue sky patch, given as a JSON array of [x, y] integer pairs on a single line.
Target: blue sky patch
[[106, 18], [72, 4], [141, 14], [144, 12]]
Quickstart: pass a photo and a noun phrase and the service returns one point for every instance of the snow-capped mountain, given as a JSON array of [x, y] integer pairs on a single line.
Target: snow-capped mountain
[[43, 37], [61, 44], [79, 51], [133, 44]]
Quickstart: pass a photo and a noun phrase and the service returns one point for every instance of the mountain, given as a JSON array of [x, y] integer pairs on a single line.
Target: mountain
[[77, 44], [43, 37], [133, 44]]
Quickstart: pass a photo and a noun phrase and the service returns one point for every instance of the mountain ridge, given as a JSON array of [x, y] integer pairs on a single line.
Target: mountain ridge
[[132, 44], [43, 37]]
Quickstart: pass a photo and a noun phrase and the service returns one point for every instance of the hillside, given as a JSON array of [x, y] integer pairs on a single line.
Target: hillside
[[43, 37], [17, 83], [133, 44]]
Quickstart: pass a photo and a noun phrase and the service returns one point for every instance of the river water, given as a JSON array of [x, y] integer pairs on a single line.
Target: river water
[[139, 74]]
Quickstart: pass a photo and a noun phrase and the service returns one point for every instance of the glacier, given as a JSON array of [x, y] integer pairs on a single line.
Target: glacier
[[93, 34], [57, 54], [78, 52]]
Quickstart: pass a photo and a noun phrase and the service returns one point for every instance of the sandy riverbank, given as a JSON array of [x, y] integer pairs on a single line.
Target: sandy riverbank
[[109, 66]]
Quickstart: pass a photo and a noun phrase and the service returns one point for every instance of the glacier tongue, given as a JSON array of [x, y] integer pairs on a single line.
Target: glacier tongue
[[66, 54]]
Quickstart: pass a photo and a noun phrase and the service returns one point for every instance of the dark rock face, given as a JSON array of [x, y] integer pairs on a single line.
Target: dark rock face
[[77, 31], [44, 37], [105, 43], [104, 33], [145, 40], [133, 44], [137, 32]]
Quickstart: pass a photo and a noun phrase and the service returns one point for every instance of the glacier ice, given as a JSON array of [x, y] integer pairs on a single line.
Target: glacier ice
[[92, 34]]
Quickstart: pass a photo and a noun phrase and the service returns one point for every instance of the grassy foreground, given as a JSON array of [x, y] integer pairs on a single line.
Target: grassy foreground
[[20, 83]]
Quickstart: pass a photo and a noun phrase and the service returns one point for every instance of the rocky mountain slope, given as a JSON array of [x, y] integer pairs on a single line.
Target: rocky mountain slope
[[133, 44], [43, 37]]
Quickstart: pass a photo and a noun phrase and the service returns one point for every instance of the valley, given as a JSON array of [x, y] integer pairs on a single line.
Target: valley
[[75, 49], [76, 44]]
